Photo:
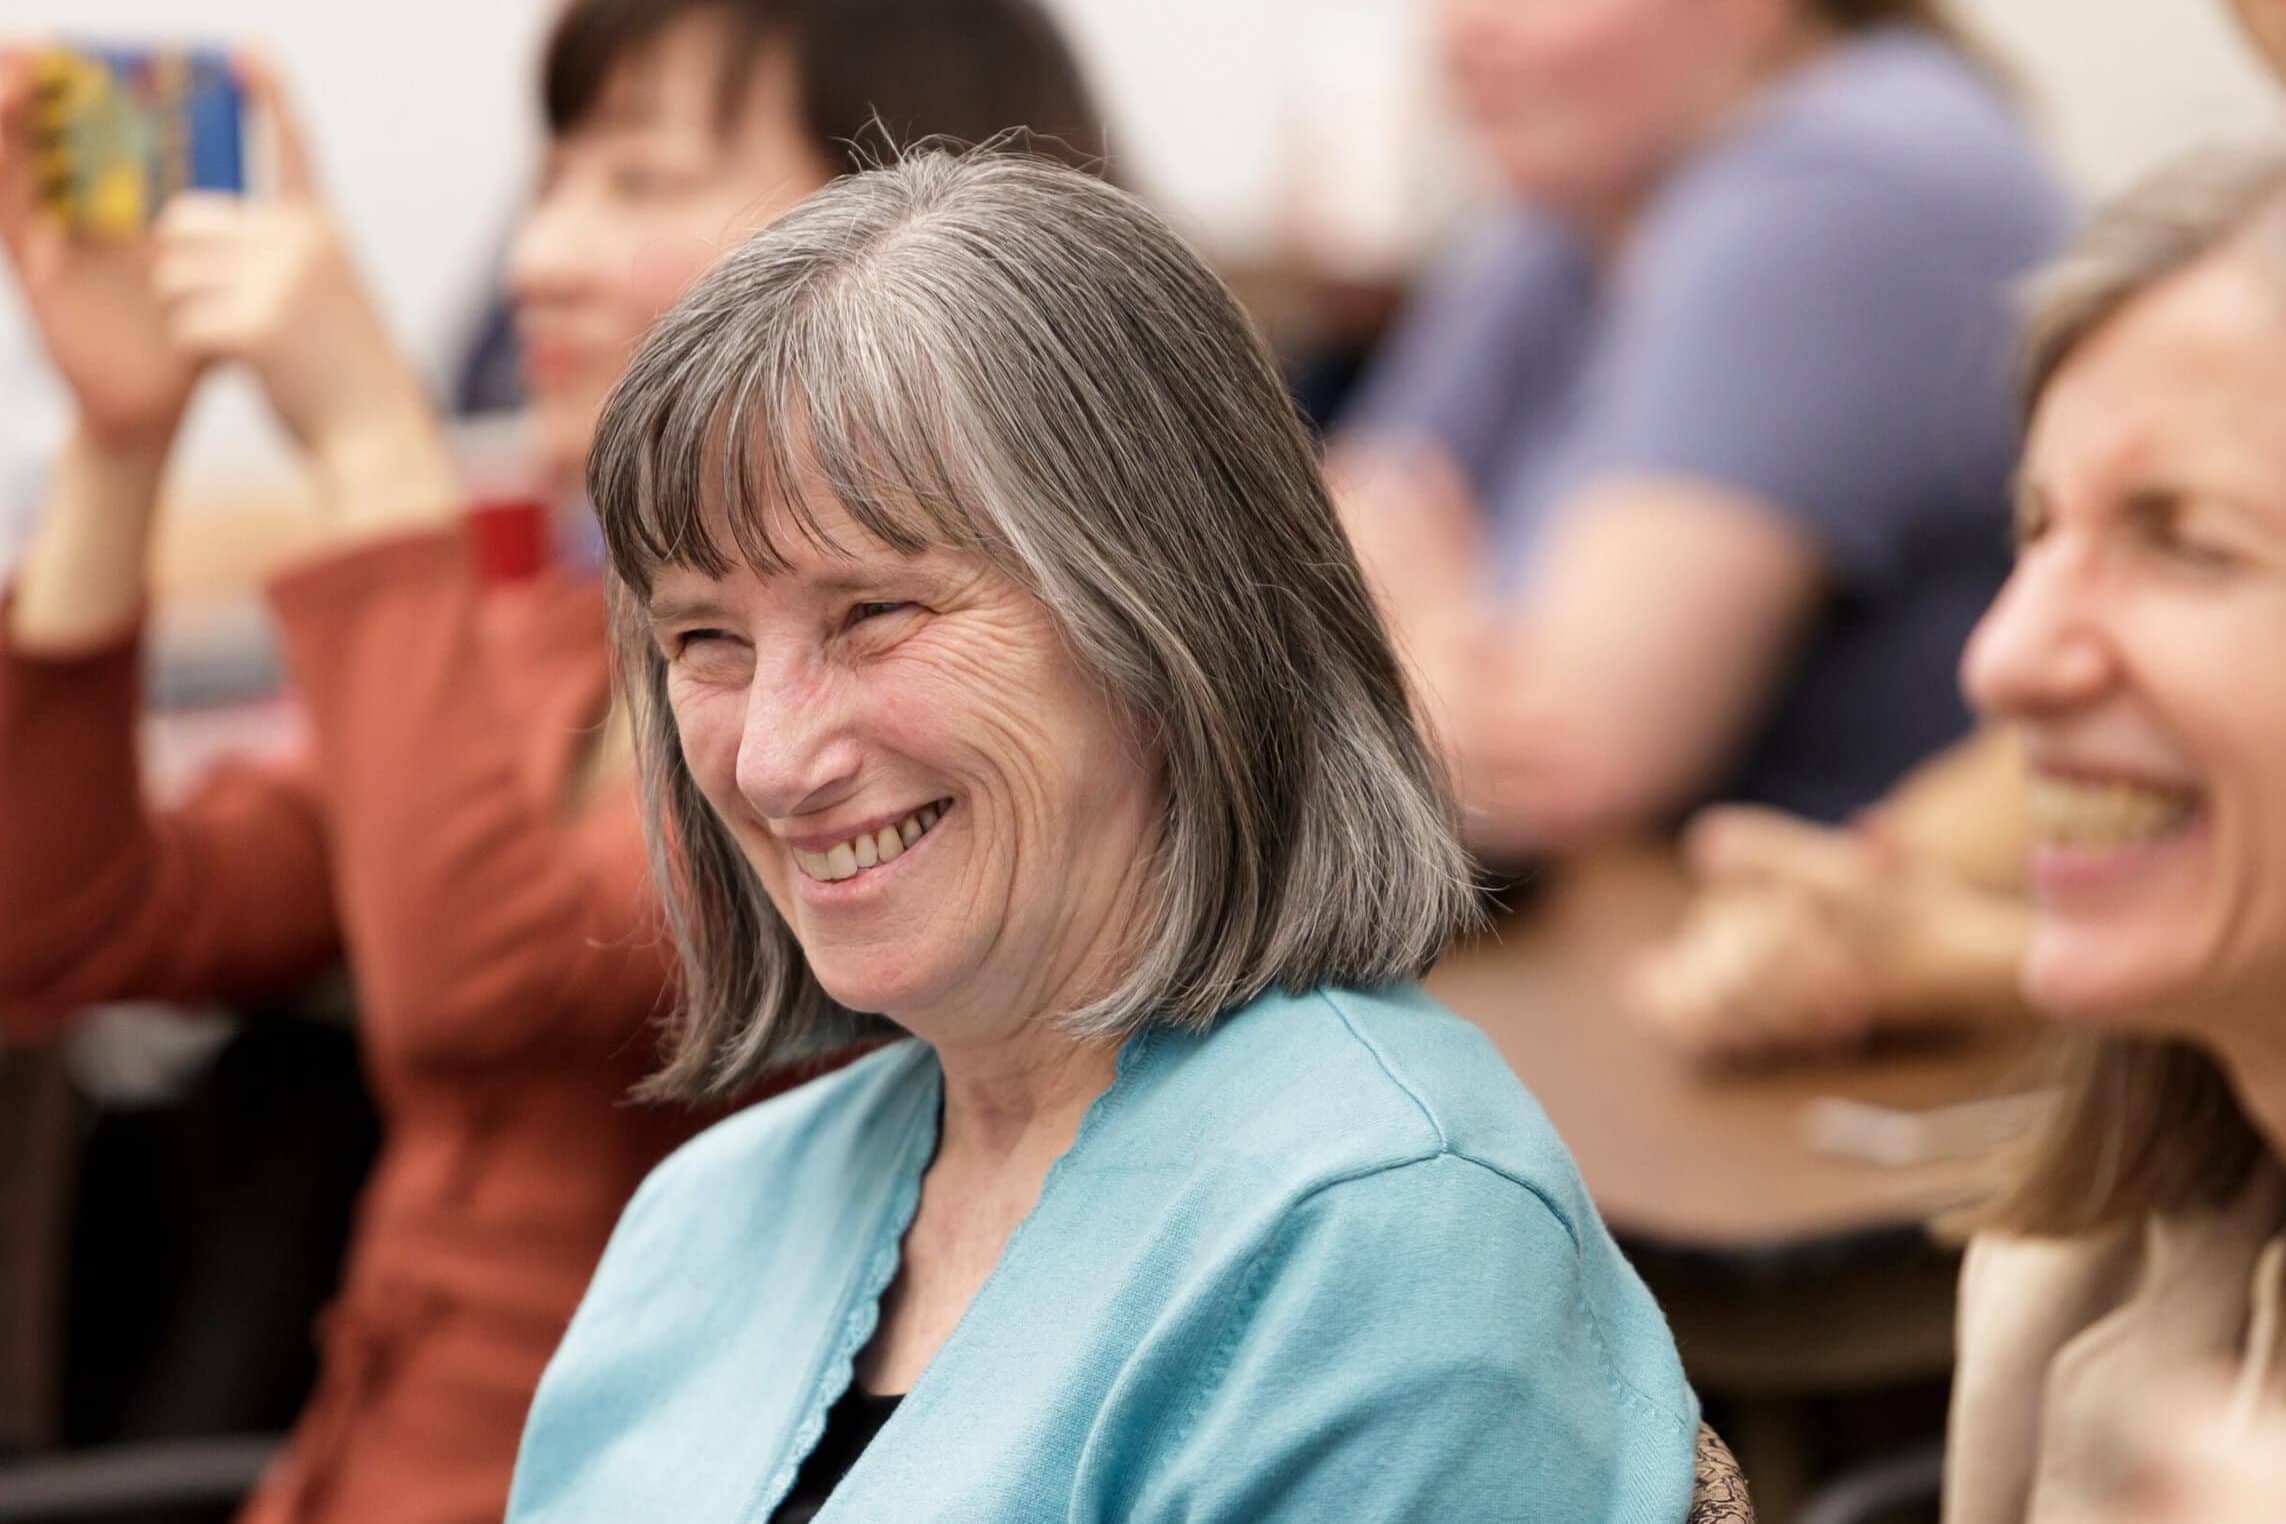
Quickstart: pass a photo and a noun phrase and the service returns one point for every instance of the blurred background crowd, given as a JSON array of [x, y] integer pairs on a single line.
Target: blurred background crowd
[[1666, 354]]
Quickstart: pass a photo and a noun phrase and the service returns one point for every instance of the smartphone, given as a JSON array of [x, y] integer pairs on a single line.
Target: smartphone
[[122, 129]]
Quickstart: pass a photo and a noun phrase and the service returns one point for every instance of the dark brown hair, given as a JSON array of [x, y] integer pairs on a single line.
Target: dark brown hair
[[873, 75], [2141, 1123], [1931, 16], [1859, 15]]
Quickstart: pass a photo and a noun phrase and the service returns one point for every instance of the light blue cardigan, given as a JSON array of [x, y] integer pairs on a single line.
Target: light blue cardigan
[[1326, 1262]]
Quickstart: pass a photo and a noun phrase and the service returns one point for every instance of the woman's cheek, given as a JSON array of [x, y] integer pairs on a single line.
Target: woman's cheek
[[710, 720]]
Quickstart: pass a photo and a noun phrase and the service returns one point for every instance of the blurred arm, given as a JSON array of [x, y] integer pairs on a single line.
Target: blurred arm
[[81, 581], [102, 898], [484, 907], [1660, 618]]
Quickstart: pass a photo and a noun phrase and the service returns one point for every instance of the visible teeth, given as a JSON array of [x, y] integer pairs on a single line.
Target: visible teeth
[[2100, 816], [870, 849]]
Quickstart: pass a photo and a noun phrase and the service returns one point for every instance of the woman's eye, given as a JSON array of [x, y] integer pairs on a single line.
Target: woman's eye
[[2193, 549], [2210, 557], [862, 612], [688, 641]]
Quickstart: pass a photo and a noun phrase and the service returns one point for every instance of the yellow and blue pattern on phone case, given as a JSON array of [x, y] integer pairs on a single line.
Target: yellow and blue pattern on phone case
[[96, 146], [122, 129]]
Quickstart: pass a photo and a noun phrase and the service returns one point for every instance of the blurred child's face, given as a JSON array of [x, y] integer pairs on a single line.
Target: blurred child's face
[[637, 202]]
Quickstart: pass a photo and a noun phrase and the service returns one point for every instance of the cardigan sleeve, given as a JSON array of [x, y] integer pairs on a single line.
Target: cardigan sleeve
[[104, 898], [1428, 1341], [491, 916]]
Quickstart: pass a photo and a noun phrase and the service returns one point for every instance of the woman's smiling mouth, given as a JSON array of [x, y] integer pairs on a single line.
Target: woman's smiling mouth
[[2094, 838], [2106, 814], [2092, 815], [866, 850]]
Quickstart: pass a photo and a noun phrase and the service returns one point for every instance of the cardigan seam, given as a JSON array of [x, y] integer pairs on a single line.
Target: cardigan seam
[[854, 1329], [1381, 1060], [1256, 1280]]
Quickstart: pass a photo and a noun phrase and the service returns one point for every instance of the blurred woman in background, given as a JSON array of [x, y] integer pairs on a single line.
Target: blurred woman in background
[[1689, 479], [1803, 935], [463, 828], [2145, 1238]]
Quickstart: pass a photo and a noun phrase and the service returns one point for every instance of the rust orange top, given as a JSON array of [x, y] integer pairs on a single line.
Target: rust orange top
[[507, 965]]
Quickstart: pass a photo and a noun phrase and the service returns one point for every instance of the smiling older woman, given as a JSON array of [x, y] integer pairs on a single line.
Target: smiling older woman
[[1001, 670], [2135, 650]]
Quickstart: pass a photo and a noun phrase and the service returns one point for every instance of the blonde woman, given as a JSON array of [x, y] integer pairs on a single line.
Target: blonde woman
[[2145, 1239]]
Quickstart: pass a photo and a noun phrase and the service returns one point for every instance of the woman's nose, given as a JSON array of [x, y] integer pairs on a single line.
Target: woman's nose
[[2041, 646], [795, 756], [545, 257]]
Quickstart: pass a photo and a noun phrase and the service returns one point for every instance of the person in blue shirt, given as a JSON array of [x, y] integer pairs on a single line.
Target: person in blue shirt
[[1005, 686], [1686, 480]]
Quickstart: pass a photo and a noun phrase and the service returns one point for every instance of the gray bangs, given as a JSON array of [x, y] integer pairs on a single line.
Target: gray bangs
[[728, 427]]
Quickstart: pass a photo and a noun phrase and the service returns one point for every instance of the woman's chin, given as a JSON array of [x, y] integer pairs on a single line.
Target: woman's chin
[[878, 986], [2107, 982]]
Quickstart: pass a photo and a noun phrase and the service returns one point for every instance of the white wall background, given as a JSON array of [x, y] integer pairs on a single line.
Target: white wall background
[[421, 112]]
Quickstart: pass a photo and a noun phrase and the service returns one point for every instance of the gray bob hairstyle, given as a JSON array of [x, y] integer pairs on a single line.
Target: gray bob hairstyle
[[995, 354]]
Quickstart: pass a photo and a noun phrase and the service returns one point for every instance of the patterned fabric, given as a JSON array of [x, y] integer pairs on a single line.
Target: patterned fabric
[[1718, 1488]]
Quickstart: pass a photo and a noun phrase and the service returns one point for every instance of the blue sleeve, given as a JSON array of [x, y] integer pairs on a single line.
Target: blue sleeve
[[1821, 337], [1430, 1342], [1486, 331]]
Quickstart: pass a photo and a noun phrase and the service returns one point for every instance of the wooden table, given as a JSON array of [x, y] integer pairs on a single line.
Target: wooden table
[[1678, 1154], [1789, 1276]]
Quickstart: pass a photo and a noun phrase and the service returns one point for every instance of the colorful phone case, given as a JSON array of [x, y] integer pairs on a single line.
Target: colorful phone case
[[122, 129]]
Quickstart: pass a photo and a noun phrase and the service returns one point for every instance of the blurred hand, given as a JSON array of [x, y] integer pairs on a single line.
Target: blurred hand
[[1755, 971], [92, 300], [269, 284], [1806, 936]]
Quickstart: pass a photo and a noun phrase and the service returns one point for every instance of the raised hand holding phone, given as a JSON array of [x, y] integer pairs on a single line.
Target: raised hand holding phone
[[269, 283], [90, 295]]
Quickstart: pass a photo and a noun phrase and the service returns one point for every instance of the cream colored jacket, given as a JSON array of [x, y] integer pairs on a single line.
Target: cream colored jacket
[[2059, 1337]]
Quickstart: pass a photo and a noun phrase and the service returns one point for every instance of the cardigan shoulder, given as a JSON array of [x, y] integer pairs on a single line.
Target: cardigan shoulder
[[1294, 1093]]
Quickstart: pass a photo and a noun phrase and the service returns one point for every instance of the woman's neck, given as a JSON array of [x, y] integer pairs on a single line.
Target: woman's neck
[[1020, 1095], [1607, 226], [2253, 1054]]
